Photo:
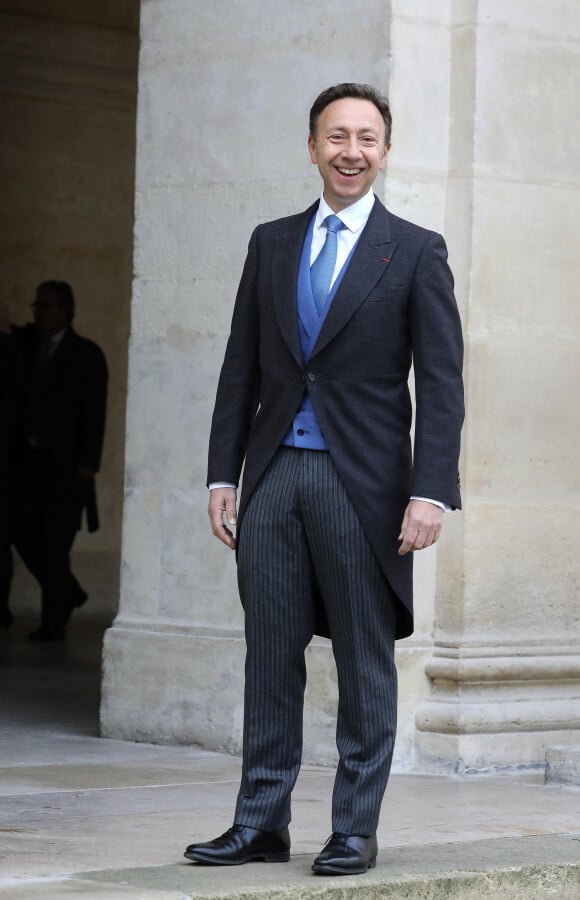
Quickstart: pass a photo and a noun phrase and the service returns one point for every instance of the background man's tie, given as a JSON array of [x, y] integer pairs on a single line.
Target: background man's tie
[[43, 356], [323, 266]]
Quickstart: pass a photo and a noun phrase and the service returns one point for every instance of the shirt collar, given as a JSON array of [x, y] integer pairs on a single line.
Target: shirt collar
[[55, 339], [354, 217]]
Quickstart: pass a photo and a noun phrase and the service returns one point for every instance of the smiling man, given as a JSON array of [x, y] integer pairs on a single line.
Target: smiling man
[[333, 306], [348, 142]]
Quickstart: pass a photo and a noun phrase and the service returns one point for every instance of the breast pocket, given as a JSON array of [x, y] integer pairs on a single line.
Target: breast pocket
[[389, 293], [383, 313]]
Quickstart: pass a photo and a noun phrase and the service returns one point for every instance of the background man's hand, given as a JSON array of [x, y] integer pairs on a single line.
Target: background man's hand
[[422, 524], [222, 501]]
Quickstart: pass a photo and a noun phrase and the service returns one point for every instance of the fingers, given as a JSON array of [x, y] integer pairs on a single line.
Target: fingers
[[421, 526], [222, 504]]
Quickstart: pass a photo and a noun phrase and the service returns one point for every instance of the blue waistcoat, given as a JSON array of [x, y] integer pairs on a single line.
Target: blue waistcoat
[[305, 431]]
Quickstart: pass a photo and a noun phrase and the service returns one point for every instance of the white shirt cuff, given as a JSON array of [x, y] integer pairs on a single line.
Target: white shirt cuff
[[438, 503]]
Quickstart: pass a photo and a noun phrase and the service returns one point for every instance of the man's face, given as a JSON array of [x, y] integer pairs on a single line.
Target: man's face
[[49, 316], [349, 149]]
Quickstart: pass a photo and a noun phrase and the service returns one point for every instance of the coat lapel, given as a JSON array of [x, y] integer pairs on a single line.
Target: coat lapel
[[285, 262], [369, 261]]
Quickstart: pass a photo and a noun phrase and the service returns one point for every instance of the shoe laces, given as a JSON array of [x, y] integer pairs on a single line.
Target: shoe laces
[[335, 836]]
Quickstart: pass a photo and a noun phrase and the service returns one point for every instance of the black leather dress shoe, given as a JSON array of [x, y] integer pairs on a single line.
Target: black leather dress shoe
[[241, 844], [77, 598], [80, 598], [346, 854], [45, 634]]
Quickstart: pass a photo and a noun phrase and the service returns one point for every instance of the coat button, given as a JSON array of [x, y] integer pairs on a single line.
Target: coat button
[[311, 376]]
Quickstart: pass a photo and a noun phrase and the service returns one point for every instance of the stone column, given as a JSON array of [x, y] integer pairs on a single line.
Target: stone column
[[416, 188], [505, 670]]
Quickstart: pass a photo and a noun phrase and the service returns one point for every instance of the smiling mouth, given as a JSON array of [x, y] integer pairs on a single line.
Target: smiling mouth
[[349, 172]]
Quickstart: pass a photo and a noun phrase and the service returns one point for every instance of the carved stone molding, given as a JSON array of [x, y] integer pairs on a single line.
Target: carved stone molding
[[498, 707]]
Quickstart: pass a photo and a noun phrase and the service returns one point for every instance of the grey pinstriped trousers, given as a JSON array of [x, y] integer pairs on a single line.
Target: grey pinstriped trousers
[[300, 531]]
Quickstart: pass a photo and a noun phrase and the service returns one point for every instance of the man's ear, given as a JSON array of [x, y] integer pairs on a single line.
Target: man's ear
[[312, 150], [384, 159]]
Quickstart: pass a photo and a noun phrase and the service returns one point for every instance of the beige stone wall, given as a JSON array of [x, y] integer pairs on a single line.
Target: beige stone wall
[[67, 156]]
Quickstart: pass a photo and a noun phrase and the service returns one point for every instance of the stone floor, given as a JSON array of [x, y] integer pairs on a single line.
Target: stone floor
[[85, 817]]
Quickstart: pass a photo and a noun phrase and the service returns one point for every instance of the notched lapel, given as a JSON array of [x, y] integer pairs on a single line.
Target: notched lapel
[[368, 264]]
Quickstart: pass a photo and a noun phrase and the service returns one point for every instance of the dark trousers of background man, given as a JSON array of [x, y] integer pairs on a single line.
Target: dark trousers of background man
[[301, 537], [6, 566], [48, 504]]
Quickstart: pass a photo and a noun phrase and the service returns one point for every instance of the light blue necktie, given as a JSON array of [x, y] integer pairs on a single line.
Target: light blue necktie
[[323, 266]]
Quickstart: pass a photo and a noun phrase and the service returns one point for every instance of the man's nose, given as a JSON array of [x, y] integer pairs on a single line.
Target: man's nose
[[352, 148]]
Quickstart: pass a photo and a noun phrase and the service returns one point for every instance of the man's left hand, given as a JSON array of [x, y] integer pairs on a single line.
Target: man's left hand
[[422, 524]]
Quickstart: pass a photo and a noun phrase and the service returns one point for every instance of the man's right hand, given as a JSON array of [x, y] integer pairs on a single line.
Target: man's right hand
[[222, 502]]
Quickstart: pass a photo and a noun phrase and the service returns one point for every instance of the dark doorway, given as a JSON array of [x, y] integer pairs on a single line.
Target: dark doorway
[[68, 94]]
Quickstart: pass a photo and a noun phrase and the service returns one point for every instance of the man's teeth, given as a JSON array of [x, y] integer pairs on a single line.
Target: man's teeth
[[349, 171]]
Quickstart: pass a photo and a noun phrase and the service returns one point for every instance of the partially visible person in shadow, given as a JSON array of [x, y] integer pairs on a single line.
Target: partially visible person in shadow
[[11, 379], [61, 430]]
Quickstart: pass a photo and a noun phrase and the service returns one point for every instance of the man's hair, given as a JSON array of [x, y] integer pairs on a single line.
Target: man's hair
[[62, 292], [359, 92]]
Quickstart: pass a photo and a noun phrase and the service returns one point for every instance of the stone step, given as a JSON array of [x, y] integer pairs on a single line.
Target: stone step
[[532, 868]]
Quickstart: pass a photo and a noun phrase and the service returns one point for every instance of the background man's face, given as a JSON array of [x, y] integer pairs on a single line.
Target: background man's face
[[49, 316], [349, 149]]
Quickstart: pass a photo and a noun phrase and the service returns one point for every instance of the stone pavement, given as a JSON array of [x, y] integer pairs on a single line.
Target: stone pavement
[[91, 818]]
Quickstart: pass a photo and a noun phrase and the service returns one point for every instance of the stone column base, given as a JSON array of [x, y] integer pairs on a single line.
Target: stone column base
[[164, 684], [499, 709]]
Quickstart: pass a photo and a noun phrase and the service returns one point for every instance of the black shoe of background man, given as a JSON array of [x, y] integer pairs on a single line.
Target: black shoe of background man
[[46, 634], [241, 844], [77, 598], [346, 854]]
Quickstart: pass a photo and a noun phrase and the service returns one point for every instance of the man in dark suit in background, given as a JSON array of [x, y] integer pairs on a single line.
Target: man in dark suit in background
[[333, 306], [61, 429]]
